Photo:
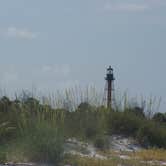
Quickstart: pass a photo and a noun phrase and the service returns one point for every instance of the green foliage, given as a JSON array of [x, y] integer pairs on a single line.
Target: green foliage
[[33, 131], [123, 123], [137, 111], [101, 143], [86, 122], [38, 132], [85, 106], [147, 132], [5, 104], [42, 144], [159, 117], [5, 128], [151, 134], [3, 158], [91, 132]]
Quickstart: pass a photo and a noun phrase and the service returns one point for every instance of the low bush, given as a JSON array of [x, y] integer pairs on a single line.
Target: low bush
[[123, 123], [101, 142], [86, 124], [46, 145], [152, 134], [3, 157], [42, 144], [159, 117]]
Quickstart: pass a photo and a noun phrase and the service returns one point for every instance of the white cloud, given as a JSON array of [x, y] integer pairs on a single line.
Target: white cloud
[[125, 7], [133, 6], [13, 32], [155, 2], [9, 76], [63, 70], [20, 33], [46, 68]]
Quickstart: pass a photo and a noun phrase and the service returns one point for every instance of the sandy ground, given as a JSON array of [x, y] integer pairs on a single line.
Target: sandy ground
[[119, 145]]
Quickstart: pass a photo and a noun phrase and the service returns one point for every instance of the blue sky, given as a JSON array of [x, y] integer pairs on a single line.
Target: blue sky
[[56, 44]]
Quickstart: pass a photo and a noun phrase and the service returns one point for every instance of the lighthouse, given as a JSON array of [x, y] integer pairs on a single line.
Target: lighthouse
[[109, 86]]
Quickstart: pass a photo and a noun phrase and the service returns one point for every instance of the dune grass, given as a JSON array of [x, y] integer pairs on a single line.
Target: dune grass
[[35, 130], [85, 161], [37, 134], [151, 154]]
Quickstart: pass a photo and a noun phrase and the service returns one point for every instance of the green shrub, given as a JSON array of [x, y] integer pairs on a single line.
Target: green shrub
[[3, 157], [5, 104], [137, 111], [6, 131], [85, 124], [123, 123], [151, 134], [90, 132], [101, 143], [43, 143], [46, 145], [159, 117], [38, 136]]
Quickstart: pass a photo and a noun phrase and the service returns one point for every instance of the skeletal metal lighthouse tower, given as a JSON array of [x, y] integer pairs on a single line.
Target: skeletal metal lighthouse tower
[[109, 86]]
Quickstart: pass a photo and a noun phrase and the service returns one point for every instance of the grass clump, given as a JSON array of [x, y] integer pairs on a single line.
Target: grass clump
[[151, 154], [47, 145], [85, 161], [86, 122], [43, 144], [38, 133]]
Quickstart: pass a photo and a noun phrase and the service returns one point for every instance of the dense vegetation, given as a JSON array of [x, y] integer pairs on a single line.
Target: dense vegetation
[[31, 130]]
